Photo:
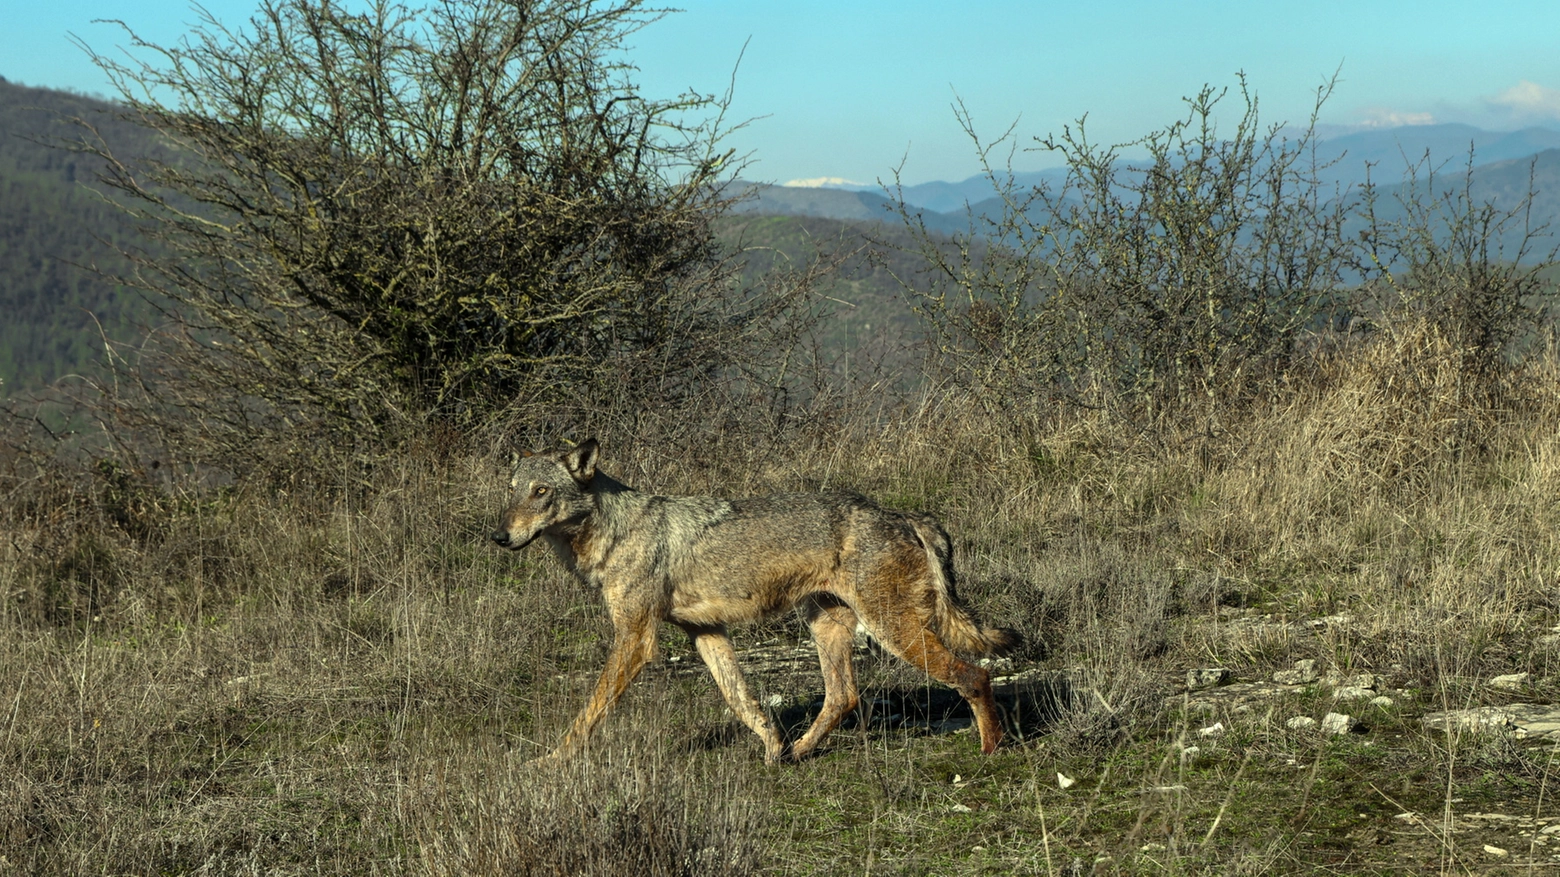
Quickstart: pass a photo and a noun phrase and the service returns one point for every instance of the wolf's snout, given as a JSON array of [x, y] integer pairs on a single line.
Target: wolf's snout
[[500, 537]]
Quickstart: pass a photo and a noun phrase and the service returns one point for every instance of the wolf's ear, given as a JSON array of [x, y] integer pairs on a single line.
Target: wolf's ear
[[580, 460]]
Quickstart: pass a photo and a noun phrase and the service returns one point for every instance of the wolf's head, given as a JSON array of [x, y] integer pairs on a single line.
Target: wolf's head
[[548, 489]]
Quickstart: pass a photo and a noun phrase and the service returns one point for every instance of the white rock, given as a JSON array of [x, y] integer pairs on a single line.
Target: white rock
[[1063, 781], [1494, 851], [1190, 753], [1212, 730], [1304, 673], [1338, 723], [997, 665], [1382, 702], [1511, 681], [960, 808], [1352, 692], [1354, 680], [1300, 723], [1487, 718], [1207, 677]]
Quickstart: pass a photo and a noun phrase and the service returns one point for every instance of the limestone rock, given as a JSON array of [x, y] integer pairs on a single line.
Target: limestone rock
[[1339, 723], [1356, 680], [1304, 673], [1210, 677], [1486, 718], [1511, 681]]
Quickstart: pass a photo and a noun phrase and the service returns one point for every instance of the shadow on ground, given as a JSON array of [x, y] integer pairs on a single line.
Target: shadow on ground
[[1030, 706]]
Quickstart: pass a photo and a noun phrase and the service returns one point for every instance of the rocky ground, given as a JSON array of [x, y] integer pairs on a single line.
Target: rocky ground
[[1285, 717]]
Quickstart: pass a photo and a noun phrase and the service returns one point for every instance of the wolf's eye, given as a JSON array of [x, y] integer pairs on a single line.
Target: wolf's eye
[[540, 490]]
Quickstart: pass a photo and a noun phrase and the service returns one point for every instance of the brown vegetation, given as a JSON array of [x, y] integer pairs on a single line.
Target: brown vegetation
[[266, 643], [343, 678]]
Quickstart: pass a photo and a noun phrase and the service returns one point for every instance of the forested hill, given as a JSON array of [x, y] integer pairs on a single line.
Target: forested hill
[[53, 223]]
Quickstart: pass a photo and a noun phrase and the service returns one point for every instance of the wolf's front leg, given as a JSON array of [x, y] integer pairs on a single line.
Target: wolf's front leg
[[633, 645]]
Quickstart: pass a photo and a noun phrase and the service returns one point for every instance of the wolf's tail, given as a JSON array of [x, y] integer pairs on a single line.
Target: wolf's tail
[[958, 629]]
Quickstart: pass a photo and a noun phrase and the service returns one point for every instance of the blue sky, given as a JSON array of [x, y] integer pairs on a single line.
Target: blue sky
[[849, 89]]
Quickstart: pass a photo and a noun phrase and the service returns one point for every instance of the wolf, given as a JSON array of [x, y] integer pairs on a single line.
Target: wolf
[[704, 563]]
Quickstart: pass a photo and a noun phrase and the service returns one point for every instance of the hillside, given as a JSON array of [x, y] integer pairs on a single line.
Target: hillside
[[1502, 184], [766, 200], [867, 313], [1344, 161], [52, 225]]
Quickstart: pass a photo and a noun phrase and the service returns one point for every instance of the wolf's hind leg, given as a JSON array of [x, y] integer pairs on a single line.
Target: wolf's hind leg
[[910, 639], [834, 630], [715, 648]]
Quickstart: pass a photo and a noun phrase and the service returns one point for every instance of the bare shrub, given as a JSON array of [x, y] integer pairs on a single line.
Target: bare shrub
[[1144, 287], [1471, 267], [367, 218]]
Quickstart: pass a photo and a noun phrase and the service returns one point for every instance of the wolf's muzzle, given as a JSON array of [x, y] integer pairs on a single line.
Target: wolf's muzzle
[[503, 539]]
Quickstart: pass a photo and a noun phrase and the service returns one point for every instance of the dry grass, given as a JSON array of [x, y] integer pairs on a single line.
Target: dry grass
[[345, 679]]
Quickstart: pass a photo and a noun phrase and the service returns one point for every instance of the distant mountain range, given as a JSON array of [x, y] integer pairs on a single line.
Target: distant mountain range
[[1382, 155], [1393, 150]]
